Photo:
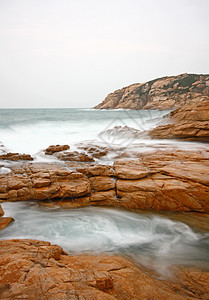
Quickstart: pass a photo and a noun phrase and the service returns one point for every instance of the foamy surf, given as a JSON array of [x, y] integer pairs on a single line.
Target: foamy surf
[[148, 239]]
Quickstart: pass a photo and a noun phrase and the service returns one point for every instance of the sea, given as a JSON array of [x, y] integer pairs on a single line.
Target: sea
[[155, 241], [32, 130]]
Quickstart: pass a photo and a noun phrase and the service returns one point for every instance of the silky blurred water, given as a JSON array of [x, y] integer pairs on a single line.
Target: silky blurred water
[[31, 130], [154, 241]]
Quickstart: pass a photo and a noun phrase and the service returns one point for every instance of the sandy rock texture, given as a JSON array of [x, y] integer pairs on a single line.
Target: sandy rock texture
[[15, 156], [172, 180], [56, 148], [163, 93], [189, 122], [32, 269]]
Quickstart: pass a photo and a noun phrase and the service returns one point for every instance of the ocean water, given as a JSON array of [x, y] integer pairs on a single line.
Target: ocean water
[[32, 130], [154, 241]]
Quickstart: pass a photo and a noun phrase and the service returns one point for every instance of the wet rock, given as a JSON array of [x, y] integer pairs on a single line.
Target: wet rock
[[102, 183], [5, 221], [176, 181], [15, 156], [131, 170], [75, 156], [95, 150], [158, 180], [56, 148], [96, 170], [190, 122], [121, 132], [104, 198], [43, 181], [1, 211], [32, 269]]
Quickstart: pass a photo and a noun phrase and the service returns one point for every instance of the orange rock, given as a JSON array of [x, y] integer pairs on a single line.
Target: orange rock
[[102, 183], [132, 170], [95, 151], [74, 156], [1, 211], [52, 149], [5, 221], [107, 198], [96, 170], [15, 156], [159, 180], [68, 202], [43, 181], [190, 122], [31, 269]]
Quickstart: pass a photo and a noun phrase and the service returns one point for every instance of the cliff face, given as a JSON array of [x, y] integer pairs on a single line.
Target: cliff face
[[163, 93]]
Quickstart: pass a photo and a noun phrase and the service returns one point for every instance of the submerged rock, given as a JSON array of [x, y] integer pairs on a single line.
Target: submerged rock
[[121, 132], [32, 269]]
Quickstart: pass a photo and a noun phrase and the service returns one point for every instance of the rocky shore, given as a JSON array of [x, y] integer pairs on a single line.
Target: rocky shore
[[175, 181], [32, 269], [172, 180], [157, 180]]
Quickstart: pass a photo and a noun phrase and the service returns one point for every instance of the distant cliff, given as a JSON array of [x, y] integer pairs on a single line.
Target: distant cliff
[[162, 93]]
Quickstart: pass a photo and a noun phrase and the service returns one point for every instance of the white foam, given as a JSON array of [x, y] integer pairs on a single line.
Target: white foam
[[4, 170], [144, 237]]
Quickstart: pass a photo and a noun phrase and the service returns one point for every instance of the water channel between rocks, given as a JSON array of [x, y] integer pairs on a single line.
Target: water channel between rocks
[[153, 240]]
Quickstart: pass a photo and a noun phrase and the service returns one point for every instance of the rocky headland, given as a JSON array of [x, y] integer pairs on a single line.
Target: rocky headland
[[164, 93]]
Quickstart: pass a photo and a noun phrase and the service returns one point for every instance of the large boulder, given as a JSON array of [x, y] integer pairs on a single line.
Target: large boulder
[[164, 180], [190, 122]]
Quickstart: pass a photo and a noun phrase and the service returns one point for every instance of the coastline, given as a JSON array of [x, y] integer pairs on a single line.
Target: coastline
[[166, 180]]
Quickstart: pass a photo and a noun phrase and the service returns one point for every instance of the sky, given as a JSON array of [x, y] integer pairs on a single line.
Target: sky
[[72, 53]]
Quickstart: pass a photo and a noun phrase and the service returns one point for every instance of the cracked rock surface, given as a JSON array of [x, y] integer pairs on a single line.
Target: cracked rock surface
[[31, 269]]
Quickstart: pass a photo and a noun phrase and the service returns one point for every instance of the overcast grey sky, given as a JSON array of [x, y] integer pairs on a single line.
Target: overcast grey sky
[[72, 53]]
